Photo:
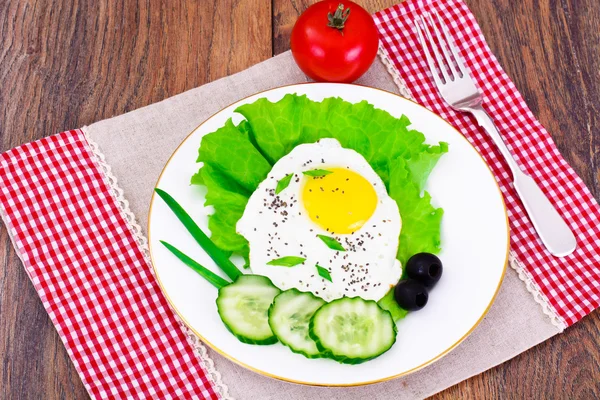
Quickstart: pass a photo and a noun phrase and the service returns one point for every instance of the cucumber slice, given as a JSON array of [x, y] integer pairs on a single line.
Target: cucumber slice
[[244, 308], [289, 317], [351, 330]]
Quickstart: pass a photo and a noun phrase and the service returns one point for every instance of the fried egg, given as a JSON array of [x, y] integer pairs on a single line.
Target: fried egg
[[322, 221]]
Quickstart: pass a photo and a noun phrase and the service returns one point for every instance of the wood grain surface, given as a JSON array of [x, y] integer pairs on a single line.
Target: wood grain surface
[[67, 63]]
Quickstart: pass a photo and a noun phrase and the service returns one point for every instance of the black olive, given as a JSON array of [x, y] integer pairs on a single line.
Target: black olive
[[411, 295], [425, 268]]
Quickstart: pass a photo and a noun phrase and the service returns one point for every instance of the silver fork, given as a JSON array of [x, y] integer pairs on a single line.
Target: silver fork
[[459, 90]]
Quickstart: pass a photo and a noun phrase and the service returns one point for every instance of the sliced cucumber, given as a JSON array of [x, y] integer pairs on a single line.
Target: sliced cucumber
[[289, 317], [351, 330], [244, 308]]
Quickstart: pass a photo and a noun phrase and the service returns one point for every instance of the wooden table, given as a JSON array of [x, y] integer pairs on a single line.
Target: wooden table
[[67, 63]]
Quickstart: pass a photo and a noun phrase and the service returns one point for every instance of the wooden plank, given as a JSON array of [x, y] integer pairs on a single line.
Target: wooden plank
[[67, 63], [285, 13]]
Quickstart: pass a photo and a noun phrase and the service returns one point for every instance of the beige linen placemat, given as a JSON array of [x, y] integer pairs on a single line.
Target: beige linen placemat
[[137, 145]]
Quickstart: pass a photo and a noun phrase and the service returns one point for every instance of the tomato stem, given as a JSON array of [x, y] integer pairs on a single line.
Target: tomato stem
[[338, 19]]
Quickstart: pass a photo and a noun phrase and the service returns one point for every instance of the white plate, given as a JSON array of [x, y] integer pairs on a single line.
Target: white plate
[[474, 239]]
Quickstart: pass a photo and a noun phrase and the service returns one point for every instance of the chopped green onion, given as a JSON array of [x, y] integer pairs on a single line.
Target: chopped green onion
[[332, 243], [324, 273], [219, 256], [283, 183], [288, 261], [317, 173], [210, 276]]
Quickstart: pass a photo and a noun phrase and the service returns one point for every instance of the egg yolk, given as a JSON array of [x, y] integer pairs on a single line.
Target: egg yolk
[[340, 202]]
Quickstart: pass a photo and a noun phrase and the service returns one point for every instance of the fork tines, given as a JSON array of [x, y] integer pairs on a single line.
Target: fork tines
[[447, 65]]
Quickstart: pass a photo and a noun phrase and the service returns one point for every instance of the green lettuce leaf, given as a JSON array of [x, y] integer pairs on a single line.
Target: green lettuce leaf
[[232, 170], [231, 152], [420, 220], [276, 128], [388, 302], [229, 201], [422, 165]]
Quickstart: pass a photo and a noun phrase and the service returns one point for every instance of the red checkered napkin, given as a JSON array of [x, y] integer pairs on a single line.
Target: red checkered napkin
[[92, 275], [571, 284]]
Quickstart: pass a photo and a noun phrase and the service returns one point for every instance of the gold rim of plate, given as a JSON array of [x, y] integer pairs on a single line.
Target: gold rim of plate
[[425, 364]]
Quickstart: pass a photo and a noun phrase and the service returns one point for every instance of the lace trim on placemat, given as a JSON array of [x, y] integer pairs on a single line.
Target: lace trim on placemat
[[535, 290], [205, 361], [524, 275], [389, 65]]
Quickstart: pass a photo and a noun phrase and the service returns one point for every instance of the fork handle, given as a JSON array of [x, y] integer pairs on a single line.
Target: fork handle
[[550, 226]]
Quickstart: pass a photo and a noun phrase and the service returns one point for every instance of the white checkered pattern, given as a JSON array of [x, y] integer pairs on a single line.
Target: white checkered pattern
[[90, 273], [572, 284]]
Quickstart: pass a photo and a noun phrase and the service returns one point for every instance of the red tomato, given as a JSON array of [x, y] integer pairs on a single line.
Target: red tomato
[[334, 41]]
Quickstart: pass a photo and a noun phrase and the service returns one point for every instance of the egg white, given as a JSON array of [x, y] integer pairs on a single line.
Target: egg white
[[277, 226]]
